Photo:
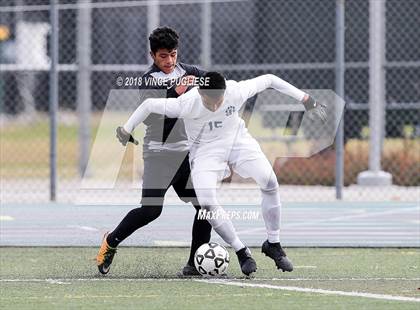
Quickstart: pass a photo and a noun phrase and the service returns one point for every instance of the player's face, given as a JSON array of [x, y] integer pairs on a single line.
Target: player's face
[[165, 59], [211, 103]]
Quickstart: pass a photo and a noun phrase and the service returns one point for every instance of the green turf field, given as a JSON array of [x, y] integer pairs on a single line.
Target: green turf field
[[144, 278]]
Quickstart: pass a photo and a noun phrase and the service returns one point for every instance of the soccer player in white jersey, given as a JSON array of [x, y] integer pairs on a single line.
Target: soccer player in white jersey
[[217, 137]]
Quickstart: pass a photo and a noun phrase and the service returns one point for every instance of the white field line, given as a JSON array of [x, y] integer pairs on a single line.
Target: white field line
[[171, 243], [51, 281], [338, 279], [56, 280], [87, 228], [6, 218], [313, 290], [370, 214]]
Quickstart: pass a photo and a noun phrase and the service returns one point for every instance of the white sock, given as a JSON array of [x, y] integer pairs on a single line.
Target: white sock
[[271, 208], [261, 171], [224, 227], [205, 188]]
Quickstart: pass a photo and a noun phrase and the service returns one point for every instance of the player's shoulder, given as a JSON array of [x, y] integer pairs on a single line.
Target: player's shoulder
[[185, 66], [152, 69], [231, 83], [190, 95], [231, 86], [191, 69], [188, 101]]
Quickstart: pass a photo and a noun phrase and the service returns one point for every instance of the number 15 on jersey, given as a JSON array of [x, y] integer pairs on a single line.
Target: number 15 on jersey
[[215, 124]]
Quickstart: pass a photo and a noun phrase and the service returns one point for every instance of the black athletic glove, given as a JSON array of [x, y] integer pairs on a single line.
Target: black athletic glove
[[316, 110], [124, 137]]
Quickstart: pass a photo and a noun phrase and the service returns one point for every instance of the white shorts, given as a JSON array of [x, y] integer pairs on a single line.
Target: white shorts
[[216, 156]]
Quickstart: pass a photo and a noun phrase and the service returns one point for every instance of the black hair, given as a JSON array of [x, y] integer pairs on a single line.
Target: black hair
[[163, 37], [214, 85]]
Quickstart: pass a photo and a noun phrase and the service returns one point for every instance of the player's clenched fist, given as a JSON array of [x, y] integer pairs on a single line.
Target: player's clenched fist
[[124, 137], [316, 110], [186, 82]]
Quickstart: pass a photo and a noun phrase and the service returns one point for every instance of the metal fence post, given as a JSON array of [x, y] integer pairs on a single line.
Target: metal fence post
[[153, 20], [53, 98], [374, 176], [206, 35], [83, 81], [339, 89]]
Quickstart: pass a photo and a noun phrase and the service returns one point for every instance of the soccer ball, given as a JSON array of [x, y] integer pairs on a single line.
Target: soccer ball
[[211, 259]]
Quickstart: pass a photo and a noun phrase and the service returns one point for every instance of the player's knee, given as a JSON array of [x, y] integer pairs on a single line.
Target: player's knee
[[207, 206], [157, 211], [210, 207], [151, 212], [216, 216], [207, 201], [270, 185]]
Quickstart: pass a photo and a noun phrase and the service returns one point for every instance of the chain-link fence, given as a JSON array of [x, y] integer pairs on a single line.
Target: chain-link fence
[[296, 40]]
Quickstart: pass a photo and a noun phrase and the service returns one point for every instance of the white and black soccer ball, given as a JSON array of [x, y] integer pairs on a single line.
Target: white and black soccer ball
[[211, 259]]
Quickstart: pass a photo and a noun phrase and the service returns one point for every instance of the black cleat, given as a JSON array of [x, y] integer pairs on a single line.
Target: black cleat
[[247, 263], [276, 252], [188, 271]]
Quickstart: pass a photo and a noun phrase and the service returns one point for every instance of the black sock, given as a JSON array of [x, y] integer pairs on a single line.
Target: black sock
[[134, 219], [201, 233]]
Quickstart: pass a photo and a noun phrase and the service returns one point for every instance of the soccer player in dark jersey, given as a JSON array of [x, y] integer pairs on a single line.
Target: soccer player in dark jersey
[[165, 152]]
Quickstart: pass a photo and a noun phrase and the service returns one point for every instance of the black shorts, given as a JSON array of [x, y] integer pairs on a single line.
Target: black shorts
[[165, 169]]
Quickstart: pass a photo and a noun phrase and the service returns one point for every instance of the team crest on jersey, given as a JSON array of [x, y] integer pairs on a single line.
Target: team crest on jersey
[[230, 110]]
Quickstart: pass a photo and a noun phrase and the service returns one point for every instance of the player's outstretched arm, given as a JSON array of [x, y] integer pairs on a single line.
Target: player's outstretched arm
[[316, 110], [253, 86], [151, 105], [256, 85], [167, 106]]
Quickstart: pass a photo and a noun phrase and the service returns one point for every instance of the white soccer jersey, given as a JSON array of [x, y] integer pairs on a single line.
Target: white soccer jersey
[[206, 127], [208, 131]]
